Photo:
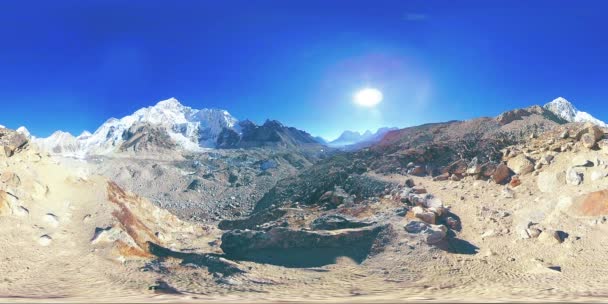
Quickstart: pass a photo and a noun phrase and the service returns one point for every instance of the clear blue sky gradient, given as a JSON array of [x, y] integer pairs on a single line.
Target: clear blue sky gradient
[[71, 65]]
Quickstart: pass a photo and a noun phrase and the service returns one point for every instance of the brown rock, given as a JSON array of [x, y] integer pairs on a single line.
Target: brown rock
[[417, 171], [521, 164], [501, 174]]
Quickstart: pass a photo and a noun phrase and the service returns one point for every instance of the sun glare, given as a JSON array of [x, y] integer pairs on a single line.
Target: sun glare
[[368, 97]]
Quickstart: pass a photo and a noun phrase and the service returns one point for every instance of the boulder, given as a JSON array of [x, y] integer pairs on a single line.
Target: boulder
[[419, 190], [426, 216], [588, 141], [521, 164], [501, 174], [487, 169], [11, 141], [458, 167], [432, 234], [243, 243], [417, 171], [416, 227], [435, 234]]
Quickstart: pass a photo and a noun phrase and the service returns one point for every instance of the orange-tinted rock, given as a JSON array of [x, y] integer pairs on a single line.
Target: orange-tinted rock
[[592, 204], [515, 181]]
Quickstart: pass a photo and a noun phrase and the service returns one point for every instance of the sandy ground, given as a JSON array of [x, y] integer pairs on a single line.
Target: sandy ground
[[493, 262]]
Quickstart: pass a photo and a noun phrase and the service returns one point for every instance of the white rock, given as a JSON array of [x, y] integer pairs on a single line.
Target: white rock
[[51, 219], [574, 177], [45, 240]]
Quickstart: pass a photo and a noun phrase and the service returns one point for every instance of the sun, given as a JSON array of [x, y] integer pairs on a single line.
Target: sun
[[368, 97]]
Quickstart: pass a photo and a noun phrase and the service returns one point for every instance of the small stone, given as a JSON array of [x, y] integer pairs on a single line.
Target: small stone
[[534, 232], [45, 240], [573, 177], [52, 219], [515, 181]]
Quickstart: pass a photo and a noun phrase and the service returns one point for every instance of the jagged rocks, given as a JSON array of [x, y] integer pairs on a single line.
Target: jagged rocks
[[338, 221], [333, 199], [458, 167], [254, 220], [501, 174], [11, 141], [521, 164]]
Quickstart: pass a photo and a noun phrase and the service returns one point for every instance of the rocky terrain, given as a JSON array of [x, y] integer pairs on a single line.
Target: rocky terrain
[[509, 208]]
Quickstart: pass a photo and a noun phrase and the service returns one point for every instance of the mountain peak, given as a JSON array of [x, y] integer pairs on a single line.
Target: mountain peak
[[169, 103], [566, 110]]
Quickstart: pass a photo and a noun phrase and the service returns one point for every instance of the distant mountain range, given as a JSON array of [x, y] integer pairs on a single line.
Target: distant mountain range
[[170, 125], [351, 138]]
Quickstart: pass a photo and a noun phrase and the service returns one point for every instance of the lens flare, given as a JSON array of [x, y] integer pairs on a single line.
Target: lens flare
[[368, 97]]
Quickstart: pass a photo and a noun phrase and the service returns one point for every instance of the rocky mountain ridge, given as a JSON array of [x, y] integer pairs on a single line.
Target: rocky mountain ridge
[[174, 125]]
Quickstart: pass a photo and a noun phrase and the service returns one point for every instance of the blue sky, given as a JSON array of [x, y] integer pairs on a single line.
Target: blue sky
[[70, 65]]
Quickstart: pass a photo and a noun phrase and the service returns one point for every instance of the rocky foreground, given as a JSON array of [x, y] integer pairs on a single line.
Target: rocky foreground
[[521, 218]]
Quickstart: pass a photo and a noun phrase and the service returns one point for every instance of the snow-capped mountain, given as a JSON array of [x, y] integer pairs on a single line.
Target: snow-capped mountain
[[564, 109], [169, 125], [348, 138], [60, 142], [191, 129], [24, 131]]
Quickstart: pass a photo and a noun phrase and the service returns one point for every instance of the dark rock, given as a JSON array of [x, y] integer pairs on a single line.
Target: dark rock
[[300, 248], [338, 221]]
